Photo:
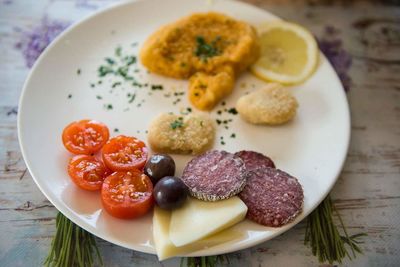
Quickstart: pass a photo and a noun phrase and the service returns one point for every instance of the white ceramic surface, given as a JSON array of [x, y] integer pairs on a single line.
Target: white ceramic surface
[[312, 147]]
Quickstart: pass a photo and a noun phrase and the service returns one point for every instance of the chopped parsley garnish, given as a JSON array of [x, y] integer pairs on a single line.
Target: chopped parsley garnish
[[233, 135], [206, 50], [116, 130], [218, 121], [104, 70], [232, 111], [78, 71], [118, 51], [109, 106], [132, 98], [123, 71], [129, 60], [99, 97], [156, 87], [69, 96], [115, 84], [135, 83], [177, 123], [110, 61]]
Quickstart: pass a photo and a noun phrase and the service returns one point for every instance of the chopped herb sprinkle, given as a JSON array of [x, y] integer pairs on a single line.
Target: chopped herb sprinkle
[[116, 130], [78, 71], [233, 135], [115, 84], [104, 70], [69, 96], [110, 61], [99, 97], [204, 50], [177, 123], [109, 106], [118, 51], [132, 98], [232, 111], [156, 87]]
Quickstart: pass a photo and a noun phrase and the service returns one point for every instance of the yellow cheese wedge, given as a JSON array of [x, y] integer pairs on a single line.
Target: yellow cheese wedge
[[198, 219], [166, 249]]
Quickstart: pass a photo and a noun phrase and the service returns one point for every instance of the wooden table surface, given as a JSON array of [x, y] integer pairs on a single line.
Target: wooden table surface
[[362, 39]]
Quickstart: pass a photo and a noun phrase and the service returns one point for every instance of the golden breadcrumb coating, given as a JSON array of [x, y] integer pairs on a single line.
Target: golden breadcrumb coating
[[213, 44], [190, 134], [271, 105]]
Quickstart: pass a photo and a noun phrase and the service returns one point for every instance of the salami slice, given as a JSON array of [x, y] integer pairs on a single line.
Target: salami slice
[[254, 160], [273, 197], [215, 175]]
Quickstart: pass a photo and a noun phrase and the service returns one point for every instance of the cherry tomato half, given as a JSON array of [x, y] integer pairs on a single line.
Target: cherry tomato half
[[124, 153], [127, 195], [87, 172], [85, 136]]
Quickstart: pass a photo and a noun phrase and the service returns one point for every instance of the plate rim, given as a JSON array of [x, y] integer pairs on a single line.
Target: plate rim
[[66, 211]]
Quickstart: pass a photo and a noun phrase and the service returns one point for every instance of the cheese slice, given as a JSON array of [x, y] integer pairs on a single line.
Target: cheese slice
[[198, 219], [166, 249]]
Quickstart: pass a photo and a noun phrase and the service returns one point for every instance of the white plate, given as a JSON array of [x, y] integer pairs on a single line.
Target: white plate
[[312, 147]]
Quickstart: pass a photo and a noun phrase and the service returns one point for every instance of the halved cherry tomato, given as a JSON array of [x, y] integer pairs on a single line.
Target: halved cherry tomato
[[87, 172], [85, 136], [124, 153], [127, 195]]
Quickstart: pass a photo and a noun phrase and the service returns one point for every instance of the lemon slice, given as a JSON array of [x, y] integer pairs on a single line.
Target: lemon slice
[[289, 53]]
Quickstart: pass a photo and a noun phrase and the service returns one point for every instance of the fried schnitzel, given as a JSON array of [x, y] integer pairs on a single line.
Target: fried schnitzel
[[209, 48]]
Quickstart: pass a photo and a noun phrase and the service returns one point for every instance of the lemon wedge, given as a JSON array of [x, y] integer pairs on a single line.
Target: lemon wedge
[[289, 53]]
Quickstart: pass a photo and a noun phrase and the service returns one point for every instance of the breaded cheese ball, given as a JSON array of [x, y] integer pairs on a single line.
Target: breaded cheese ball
[[271, 105], [190, 134]]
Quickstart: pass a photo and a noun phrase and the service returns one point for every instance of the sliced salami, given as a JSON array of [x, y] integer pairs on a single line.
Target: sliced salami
[[254, 160], [272, 196], [215, 175]]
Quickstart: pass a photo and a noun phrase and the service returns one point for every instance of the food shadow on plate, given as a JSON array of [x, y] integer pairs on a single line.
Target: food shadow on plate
[[81, 201], [126, 231]]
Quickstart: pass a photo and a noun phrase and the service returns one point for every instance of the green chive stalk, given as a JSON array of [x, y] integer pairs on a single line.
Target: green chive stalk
[[71, 246], [324, 238], [206, 261]]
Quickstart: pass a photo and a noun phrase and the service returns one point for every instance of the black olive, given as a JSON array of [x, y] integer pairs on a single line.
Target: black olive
[[159, 166], [170, 192]]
